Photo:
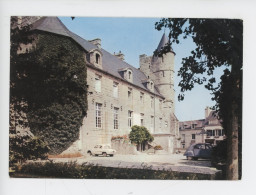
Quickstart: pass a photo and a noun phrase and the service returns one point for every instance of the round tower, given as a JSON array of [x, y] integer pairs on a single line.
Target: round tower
[[163, 69]]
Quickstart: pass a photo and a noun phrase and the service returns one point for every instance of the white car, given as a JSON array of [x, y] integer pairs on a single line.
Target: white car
[[102, 149]]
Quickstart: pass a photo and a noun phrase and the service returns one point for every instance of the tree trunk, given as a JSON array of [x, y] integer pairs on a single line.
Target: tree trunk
[[234, 131], [232, 147]]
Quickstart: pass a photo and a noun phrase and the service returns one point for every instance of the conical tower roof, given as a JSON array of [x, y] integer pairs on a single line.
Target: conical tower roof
[[162, 43], [54, 25]]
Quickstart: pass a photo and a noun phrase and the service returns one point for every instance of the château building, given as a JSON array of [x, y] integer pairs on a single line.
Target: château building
[[120, 95]]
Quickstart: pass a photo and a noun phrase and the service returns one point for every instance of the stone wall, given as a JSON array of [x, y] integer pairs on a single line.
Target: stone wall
[[123, 147]]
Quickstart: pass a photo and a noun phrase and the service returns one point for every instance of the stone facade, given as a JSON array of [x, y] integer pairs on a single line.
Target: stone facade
[[133, 106], [121, 104]]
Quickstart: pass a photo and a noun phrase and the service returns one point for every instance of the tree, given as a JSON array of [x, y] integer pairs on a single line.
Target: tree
[[219, 43], [48, 79], [140, 135]]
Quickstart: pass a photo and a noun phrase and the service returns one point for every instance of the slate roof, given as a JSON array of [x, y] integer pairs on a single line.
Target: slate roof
[[110, 63], [188, 124]]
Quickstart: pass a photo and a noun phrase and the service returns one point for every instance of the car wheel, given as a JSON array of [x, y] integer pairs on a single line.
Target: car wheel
[[104, 154], [95, 154], [111, 155], [89, 152], [189, 158], [195, 158]]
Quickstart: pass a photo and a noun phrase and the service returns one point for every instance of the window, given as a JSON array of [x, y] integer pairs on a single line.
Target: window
[[193, 136], [165, 124], [116, 118], [193, 126], [115, 90], [163, 73], [98, 115], [219, 132], [141, 97], [152, 102], [141, 119], [209, 132], [97, 58], [129, 93], [98, 83], [213, 132], [183, 138], [129, 74], [106, 147], [152, 123], [151, 85], [129, 118]]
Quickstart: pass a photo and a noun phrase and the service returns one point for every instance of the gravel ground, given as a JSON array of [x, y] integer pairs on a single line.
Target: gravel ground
[[175, 162]]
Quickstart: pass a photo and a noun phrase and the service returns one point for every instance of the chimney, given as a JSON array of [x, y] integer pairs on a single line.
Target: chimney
[[120, 55], [96, 42], [207, 111]]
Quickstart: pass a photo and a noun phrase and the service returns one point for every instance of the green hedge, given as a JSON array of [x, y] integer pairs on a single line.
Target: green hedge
[[90, 171]]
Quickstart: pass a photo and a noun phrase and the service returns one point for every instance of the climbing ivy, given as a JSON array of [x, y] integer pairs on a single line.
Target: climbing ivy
[[51, 78]]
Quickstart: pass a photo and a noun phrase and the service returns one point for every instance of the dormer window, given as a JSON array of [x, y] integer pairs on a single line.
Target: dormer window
[[193, 126], [95, 58], [126, 73], [149, 84]]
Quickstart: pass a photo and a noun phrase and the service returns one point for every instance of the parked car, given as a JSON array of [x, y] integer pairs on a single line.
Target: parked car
[[199, 150], [102, 149]]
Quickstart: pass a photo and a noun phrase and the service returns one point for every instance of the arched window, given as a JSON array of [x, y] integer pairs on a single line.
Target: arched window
[[97, 58], [129, 74]]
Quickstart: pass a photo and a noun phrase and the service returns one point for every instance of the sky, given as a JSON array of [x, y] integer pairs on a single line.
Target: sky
[[136, 36]]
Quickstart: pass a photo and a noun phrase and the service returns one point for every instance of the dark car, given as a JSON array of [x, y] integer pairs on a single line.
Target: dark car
[[199, 150]]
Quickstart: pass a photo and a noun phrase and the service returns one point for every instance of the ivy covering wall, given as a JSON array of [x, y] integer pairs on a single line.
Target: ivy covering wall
[[51, 79]]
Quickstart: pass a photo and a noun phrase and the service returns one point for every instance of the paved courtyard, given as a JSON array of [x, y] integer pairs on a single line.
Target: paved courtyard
[[175, 162]]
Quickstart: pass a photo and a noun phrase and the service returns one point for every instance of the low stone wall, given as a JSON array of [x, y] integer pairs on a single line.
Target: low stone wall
[[123, 147], [73, 149]]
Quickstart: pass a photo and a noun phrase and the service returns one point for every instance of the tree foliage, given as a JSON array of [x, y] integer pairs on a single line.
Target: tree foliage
[[140, 134], [50, 77], [219, 43]]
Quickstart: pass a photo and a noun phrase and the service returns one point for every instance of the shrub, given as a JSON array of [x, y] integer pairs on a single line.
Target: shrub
[[158, 147], [219, 153], [90, 171], [140, 135], [22, 148]]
